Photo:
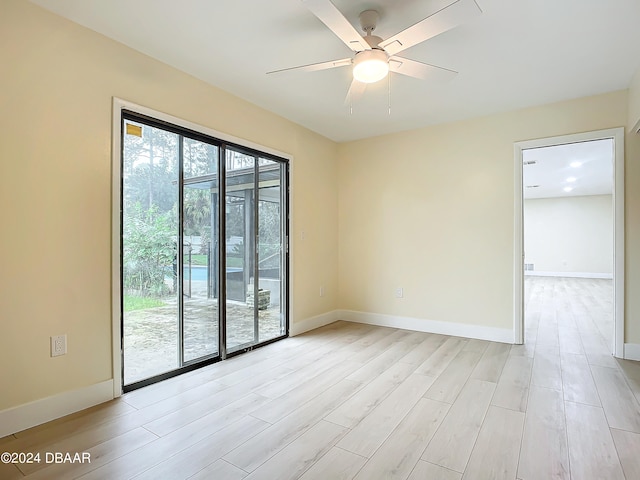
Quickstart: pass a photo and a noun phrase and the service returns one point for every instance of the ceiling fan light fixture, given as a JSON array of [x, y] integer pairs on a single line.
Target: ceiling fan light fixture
[[370, 66]]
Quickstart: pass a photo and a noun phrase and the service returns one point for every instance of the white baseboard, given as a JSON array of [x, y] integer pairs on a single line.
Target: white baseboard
[[312, 323], [503, 335], [34, 413], [535, 273], [632, 351]]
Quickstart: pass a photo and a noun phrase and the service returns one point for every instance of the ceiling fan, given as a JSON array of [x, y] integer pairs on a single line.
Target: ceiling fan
[[374, 57]]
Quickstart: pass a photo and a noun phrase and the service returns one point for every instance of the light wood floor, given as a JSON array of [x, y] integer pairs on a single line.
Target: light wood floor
[[355, 401]]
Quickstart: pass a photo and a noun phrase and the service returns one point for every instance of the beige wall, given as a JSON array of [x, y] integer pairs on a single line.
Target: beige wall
[[431, 210], [632, 234], [569, 234], [55, 192], [632, 213]]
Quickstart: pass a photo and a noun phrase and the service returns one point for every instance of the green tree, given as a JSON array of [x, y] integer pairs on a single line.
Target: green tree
[[197, 216], [149, 249], [197, 211], [150, 168], [269, 232], [200, 158]]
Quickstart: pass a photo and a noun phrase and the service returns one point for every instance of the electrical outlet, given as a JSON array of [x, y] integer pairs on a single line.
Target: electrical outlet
[[322, 291], [399, 292], [58, 345]]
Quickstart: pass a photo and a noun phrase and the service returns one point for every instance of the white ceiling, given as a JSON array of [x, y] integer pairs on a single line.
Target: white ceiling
[[552, 170], [518, 53]]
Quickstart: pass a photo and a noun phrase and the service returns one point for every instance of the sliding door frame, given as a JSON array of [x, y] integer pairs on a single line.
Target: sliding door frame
[[222, 140], [255, 241]]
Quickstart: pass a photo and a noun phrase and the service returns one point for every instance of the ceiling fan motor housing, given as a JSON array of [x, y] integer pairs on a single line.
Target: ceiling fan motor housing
[[373, 41]]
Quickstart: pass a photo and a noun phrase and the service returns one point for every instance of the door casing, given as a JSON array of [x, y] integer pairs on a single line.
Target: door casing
[[617, 134]]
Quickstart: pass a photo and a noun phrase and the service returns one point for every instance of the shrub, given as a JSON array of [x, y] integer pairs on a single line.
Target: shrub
[[149, 250]]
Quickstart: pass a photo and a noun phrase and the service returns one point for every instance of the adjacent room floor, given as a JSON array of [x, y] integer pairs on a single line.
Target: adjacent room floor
[[356, 401]]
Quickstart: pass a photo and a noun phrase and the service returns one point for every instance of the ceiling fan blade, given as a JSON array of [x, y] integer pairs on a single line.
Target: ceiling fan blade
[[420, 70], [355, 92], [451, 16], [317, 66], [340, 26]]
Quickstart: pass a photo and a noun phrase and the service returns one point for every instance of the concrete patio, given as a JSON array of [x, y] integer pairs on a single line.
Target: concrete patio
[[151, 335]]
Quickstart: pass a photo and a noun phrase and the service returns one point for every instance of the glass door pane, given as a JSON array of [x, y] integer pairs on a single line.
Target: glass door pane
[[149, 251], [200, 238], [271, 313], [241, 321]]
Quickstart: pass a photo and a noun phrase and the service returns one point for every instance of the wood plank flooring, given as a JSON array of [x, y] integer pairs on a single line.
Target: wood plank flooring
[[351, 401]]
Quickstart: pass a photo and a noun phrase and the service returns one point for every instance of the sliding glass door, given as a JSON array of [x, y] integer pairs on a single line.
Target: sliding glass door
[[150, 296], [271, 251], [204, 255], [255, 239], [199, 261]]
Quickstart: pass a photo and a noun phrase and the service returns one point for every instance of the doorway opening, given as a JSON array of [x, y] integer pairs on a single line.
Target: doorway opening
[[569, 242], [203, 254]]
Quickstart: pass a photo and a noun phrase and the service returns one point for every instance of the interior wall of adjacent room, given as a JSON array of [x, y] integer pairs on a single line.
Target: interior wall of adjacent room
[[56, 94], [569, 234]]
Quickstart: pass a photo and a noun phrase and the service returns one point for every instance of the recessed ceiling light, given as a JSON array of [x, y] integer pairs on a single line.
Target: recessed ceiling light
[[567, 189], [576, 164], [571, 179]]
